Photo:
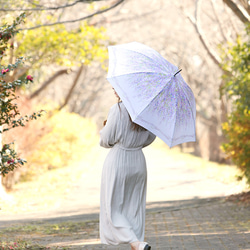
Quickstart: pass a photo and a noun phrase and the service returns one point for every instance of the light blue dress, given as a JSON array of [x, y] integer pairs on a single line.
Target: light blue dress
[[124, 179]]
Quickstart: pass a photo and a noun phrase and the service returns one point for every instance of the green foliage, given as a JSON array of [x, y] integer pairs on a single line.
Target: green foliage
[[44, 46], [10, 159], [69, 139], [237, 131], [237, 62], [237, 87], [57, 45], [8, 31], [9, 113]]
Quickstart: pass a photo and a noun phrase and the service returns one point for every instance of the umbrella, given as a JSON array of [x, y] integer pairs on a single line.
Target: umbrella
[[153, 91]]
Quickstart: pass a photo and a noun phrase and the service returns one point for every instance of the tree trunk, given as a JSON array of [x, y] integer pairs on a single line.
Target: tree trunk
[[246, 5], [214, 141], [49, 81], [72, 87], [244, 17]]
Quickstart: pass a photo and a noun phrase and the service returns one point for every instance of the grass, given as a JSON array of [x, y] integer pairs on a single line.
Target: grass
[[18, 245], [23, 244], [42, 235], [45, 229]]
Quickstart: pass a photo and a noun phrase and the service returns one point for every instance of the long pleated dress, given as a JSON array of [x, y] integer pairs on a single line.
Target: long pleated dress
[[124, 179]]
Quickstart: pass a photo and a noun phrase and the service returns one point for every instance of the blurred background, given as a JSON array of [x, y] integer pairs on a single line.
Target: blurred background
[[65, 46]]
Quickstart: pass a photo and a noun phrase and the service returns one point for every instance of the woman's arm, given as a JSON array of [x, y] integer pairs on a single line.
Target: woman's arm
[[108, 135], [150, 139]]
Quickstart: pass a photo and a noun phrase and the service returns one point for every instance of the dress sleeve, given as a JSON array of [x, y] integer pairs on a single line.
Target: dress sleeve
[[109, 134], [150, 139]]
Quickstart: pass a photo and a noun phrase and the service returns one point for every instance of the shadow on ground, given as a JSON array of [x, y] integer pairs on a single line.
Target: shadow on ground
[[213, 223]]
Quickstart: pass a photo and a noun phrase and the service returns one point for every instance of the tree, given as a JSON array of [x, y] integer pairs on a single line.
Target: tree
[[223, 28], [236, 59], [52, 9], [10, 116], [66, 49], [242, 10], [63, 48], [191, 44], [57, 37], [60, 48]]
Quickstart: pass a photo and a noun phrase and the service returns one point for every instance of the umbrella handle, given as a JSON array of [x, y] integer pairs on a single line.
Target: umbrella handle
[[177, 72]]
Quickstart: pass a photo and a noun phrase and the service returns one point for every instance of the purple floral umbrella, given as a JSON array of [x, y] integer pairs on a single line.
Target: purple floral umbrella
[[153, 91]]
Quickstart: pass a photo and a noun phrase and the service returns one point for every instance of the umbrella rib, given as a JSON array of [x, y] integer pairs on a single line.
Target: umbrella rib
[[174, 129], [133, 73], [189, 106], [153, 98], [151, 59]]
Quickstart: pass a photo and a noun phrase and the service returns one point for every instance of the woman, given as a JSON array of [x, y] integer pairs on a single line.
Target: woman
[[124, 180]]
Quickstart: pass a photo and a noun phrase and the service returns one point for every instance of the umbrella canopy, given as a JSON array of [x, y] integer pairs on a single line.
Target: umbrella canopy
[[153, 91]]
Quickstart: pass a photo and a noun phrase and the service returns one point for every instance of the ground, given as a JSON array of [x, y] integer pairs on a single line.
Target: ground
[[191, 204]]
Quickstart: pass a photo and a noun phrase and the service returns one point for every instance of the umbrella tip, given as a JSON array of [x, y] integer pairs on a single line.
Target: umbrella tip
[[177, 72]]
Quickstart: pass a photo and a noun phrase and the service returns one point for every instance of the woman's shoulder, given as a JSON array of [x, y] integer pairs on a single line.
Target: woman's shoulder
[[119, 109], [118, 106], [115, 109]]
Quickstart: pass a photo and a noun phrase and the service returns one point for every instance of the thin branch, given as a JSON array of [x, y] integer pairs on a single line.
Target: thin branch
[[72, 87], [196, 24], [230, 20], [50, 8], [218, 20], [77, 20], [50, 80], [202, 38], [92, 98], [241, 14], [82, 91], [136, 17], [35, 4]]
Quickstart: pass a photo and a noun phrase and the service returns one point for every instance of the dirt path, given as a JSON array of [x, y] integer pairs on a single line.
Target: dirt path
[[173, 183], [171, 177]]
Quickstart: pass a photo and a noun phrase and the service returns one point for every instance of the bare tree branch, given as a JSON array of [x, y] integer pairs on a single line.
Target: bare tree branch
[[50, 80], [78, 19], [91, 99], [244, 17], [196, 24], [41, 8], [246, 5], [218, 20], [231, 20], [72, 87]]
